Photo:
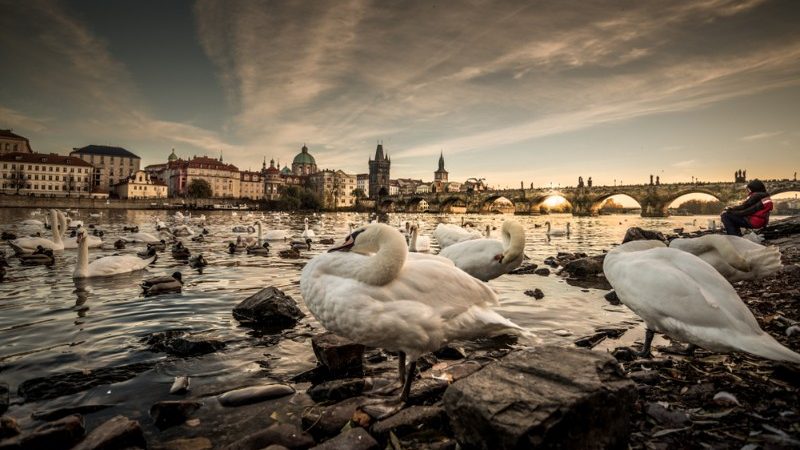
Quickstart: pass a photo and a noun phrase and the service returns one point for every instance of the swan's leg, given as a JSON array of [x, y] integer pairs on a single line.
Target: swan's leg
[[412, 371], [648, 339], [401, 369]]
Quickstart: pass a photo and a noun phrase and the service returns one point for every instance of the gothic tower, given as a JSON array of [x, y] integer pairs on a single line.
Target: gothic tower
[[440, 176], [379, 174]]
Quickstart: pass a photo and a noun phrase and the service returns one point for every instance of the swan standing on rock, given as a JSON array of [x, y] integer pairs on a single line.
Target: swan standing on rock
[[486, 259], [681, 295], [447, 234], [369, 292], [734, 257], [29, 244], [307, 234], [557, 231], [107, 265]]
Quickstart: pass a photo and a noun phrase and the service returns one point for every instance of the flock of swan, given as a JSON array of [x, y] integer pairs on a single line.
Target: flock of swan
[[383, 287]]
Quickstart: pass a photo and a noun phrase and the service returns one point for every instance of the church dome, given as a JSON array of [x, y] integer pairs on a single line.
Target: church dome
[[286, 170], [172, 156], [304, 157]]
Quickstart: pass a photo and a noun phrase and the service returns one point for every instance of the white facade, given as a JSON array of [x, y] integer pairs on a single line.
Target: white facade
[[140, 185], [44, 175]]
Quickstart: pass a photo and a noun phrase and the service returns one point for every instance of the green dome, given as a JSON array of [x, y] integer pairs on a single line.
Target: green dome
[[172, 156], [286, 170], [304, 157]]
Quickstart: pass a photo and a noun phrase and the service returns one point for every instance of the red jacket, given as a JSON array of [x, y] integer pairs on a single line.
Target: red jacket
[[756, 209]]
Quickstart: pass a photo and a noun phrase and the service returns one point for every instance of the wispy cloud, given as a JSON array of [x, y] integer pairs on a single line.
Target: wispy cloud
[[758, 136], [684, 164]]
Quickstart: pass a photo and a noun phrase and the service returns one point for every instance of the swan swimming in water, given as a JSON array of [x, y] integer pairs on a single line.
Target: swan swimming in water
[[447, 234], [72, 242], [557, 231], [307, 234], [107, 265], [417, 243], [486, 259], [369, 291], [734, 257], [681, 295], [30, 244]]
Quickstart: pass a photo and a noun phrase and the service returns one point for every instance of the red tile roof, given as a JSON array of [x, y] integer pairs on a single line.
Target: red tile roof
[[44, 158]]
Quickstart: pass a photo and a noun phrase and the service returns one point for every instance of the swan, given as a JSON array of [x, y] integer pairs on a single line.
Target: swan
[[29, 244], [557, 231], [141, 236], [74, 224], [368, 291], [447, 234], [712, 224], [163, 285], [95, 215], [486, 259], [276, 235], [32, 223], [160, 224], [734, 257], [182, 230], [107, 265], [178, 216], [307, 234], [418, 243], [681, 295], [72, 241], [258, 248], [693, 223]]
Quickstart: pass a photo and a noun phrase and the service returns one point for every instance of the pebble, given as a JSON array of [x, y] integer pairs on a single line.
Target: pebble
[[253, 394], [535, 293], [725, 398], [562, 333], [794, 329], [180, 385]]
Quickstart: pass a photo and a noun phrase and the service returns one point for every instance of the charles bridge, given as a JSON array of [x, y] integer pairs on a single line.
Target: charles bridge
[[654, 199]]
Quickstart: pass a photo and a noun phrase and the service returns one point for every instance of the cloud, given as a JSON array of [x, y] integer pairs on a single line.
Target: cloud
[[758, 136], [14, 119], [684, 164]]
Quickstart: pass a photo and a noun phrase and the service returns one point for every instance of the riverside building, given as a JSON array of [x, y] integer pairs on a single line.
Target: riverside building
[[111, 164], [13, 143], [140, 185], [46, 175]]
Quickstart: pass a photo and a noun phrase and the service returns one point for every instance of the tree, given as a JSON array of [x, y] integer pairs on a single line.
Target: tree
[[359, 193], [611, 206], [18, 177], [199, 188], [702, 207]]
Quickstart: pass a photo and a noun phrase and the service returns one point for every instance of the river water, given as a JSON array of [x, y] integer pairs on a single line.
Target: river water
[[51, 324]]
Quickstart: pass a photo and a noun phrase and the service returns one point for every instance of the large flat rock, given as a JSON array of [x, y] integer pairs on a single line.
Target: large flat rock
[[547, 397]]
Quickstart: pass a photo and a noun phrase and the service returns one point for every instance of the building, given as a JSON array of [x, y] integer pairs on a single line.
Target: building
[[440, 176], [453, 186], [111, 164], [252, 185], [379, 174], [304, 163], [334, 187], [13, 143], [45, 175], [140, 185], [394, 187], [223, 178], [273, 181], [423, 188], [362, 182]]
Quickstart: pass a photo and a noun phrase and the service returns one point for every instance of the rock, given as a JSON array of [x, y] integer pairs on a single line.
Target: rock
[[524, 269], [666, 417], [60, 434], [536, 293], [278, 433], [180, 385], [639, 234], [411, 420], [544, 271], [590, 341], [336, 390], [450, 352], [117, 432], [645, 376], [198, 443], [169, 413], [3, 398], [550, 261], [544, 397], [585, 267], [340, 356], [612, 298], [71, 382], [175, 342], [427, 390], [269, 307], [352, 439], [8, 427], [323, 422], [53, 414], [254, 394]]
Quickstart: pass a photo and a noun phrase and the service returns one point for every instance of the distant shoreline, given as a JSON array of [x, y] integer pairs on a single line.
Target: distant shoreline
[[22, 201]]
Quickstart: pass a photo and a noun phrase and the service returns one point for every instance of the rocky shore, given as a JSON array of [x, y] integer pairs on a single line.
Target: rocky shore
[[489, 394]]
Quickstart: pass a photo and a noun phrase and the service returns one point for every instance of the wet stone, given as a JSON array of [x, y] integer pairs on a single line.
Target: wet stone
[[544, 271], [666, 417], [543, 397], [411, 420], [352, 439], [254, 394], [118, 432], [283, 434], [639, 234], [450, 352], [325, 421], [53, 414], [340, 356], [524, 269], [198, 443], [590, 341], [175, 342], [60, 434], [426, 391], [336, 390], [550, 261], [535, 293], [71, 382], [3, 397], [585, 267], [8, 427], [269, 307], [169, 413]]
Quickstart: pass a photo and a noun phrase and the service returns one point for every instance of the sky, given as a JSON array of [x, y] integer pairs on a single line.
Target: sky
[[509, 91]]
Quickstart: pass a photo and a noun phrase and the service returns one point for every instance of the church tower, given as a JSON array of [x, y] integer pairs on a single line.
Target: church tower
[[440, 176], [379, 174]]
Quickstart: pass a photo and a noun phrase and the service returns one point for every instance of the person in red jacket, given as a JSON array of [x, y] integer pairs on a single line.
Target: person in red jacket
[[752, 213]]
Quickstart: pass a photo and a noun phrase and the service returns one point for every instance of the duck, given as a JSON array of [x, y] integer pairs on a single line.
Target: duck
[[197, 262], [163, 285], [289, 253], [327, 241], [3, 264], [107, 265], [243, 229], [487, 259], [734, 257], [147, 252], [307, 234], [558, 231], [693, 223], [198, 238], [301, 244], [236, 247], [262, 250], [369, 291], [71, 242], [417, 243], [119, 244], [7, 236], [29, 244], [179, 251], [132, 229], [447, 234], [684, 297], [40, 256]]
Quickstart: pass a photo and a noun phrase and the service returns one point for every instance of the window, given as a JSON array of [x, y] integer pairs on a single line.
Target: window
[[30, 167], [56, 177], [15, 147], [36, 167], [51, 169]]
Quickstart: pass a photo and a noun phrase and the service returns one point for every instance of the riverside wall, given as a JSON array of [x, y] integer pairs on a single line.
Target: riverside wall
[[22, 201]]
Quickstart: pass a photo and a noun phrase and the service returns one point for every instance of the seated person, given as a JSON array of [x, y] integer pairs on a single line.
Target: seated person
[[752, 213]]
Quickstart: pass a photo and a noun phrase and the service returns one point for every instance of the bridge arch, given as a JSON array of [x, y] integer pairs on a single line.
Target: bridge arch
[[417, 204], [453, 205], [673, 199], [598, 202], [546, 202], [497, 204], [388, 205]]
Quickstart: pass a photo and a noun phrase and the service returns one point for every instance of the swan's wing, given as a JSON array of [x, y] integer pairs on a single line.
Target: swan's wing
[[118, 264], [447, 234], [717, 250], [672, 287], [421, 256], [476, 257], [32, 242]]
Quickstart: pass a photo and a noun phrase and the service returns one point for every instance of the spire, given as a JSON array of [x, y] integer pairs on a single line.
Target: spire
[[304, 149], [264, 164], [220, 156], [441, 160], [379, 156]]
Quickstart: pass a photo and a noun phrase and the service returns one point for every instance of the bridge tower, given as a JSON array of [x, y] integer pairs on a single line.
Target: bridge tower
[[440, 176], [379, 174]]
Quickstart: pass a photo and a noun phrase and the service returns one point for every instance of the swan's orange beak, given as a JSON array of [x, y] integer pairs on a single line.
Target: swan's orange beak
[[345, 247]]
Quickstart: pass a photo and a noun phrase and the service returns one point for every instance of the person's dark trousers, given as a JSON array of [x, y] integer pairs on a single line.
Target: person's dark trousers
[[733, 223]]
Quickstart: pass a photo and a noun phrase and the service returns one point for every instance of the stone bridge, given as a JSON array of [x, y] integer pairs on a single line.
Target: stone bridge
[[653, 199]]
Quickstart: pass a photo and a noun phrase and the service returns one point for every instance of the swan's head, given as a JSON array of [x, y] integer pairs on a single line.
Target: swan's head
[[81, 236], [368, 239]]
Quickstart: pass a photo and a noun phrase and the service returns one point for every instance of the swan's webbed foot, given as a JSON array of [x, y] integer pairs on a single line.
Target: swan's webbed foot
[[629, 354]]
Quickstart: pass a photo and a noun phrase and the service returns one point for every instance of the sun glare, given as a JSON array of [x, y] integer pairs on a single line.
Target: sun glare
[[554, 201]]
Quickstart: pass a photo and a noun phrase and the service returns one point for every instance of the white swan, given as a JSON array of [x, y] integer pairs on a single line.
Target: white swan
[[107, 265], [141, 236], [74, 224], [307, 234], [368, 291], [418, 243], [693, 223], [276, 235], [182, 230], [712, 224], [29, 244], [734, 257], [486, 259], [558, 231], [72, 242], [681, 295], [32, 223], [447, 234]]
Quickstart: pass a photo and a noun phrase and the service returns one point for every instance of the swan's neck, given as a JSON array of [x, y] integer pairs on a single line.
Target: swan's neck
[[384, 266], [55, 228], [412, 244], [548, 227], [258, 224], [82, 266], [513, 241]]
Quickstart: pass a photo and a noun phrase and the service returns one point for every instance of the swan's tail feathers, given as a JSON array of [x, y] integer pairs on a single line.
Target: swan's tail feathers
[[766, 346], [764, 261], [482, 322], [17, 249]]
